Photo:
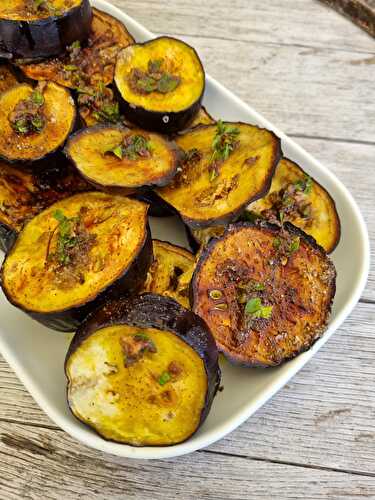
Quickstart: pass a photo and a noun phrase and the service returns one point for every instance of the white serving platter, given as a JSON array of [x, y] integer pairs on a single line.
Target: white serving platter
[[37, 354]]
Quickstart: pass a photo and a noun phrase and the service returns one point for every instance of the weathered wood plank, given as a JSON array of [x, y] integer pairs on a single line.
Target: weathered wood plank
[[361, 12], [38, 463], [299, 22], [303, 91], [323, 418]]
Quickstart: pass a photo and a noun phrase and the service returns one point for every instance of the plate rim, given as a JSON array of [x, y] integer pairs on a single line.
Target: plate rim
[[287, 372]]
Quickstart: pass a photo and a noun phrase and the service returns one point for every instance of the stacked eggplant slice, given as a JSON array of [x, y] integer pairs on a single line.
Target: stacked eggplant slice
[[97, 132]]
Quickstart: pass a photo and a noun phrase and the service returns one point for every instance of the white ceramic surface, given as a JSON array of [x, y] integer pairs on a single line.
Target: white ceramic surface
[[37, 354]]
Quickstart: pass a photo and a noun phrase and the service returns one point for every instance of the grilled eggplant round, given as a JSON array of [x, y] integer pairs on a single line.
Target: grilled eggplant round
[[121, 159], [86, 64], [170, 273], [34, 123], [264, 291], [24, 194], [161, 84], [143, 371], [226, 166], [75, 254], [38, 29], [296, 197]]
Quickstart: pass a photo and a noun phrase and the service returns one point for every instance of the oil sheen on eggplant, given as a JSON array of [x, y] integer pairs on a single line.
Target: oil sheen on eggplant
[[88, 63], [264, 291], [75, 254], [56, 117], [117, 158], [143, 371], [160, 83], [226, 166], [298, 198], [171, 271], [33, 30]]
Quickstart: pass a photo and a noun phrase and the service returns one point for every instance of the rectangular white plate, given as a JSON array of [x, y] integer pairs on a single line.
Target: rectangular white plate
[[37, 354]]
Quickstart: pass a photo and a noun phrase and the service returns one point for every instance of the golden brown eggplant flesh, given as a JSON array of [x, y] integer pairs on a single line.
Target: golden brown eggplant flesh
[[226, 166], [86, 64], [143, 371], [74, 255], [34, 122], [203, 117], [121, 159], [24, 194], [170, 273], [264, 291], [160, 84], [298, 198], [34, 29]]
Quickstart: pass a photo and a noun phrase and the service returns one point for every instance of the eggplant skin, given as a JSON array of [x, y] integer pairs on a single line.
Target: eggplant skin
[[155, 311], [300, 286], [45, 37], [164, 121], [130, 281], [7, 237]]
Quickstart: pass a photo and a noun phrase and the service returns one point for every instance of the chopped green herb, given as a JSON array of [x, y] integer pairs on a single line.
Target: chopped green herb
[[37, 123], [21, 126], [141, 336], [304, 184], [75, 45], [259, 287], [37, 98], [255, 309], [164, 378], [308, 186], [294, 246], [117, 151], [65, 238], [155, 66], [277, 243], [223, 144], [147, 84], [168, 83], [136, 146], [71, 67]]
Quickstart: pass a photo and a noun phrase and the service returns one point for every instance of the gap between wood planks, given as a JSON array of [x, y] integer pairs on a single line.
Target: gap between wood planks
[[213, 452]]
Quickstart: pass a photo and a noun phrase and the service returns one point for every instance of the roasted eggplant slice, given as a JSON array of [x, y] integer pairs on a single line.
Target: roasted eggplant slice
[[7, 78], [98, 105], [34, 123], [264, 291], [171, 272], [86, 64], [296, 197], [117, 158], [161, 84], [202, 118], [143, 371], [25, 194], [226, 166], [75, 254], [35, 29]]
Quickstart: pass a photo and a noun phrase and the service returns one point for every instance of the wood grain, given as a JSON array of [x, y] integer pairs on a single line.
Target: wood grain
[[322, 418], [361, 12], [43, 463]]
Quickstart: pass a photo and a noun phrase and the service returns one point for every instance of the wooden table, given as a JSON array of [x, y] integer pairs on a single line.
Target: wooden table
[[311, 72]]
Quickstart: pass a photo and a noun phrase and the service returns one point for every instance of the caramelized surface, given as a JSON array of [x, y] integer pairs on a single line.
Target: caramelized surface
[[251, 264], [90, 152], [179, 59], [7, 78], [244, 176], [25, 10], [321, 219], [117, 228], [97, 61], [59, 112], [131, 400], [171, 272]]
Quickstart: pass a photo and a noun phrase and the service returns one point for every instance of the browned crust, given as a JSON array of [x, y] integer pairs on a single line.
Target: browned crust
[[205, 254]]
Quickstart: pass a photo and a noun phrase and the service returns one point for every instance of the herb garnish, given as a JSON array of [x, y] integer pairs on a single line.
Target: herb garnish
[[224, 142], [101, 102], [66, 238], [305, 185], [256, 309], [132, 148], [154, 79], [28, 115], [164, 378]]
